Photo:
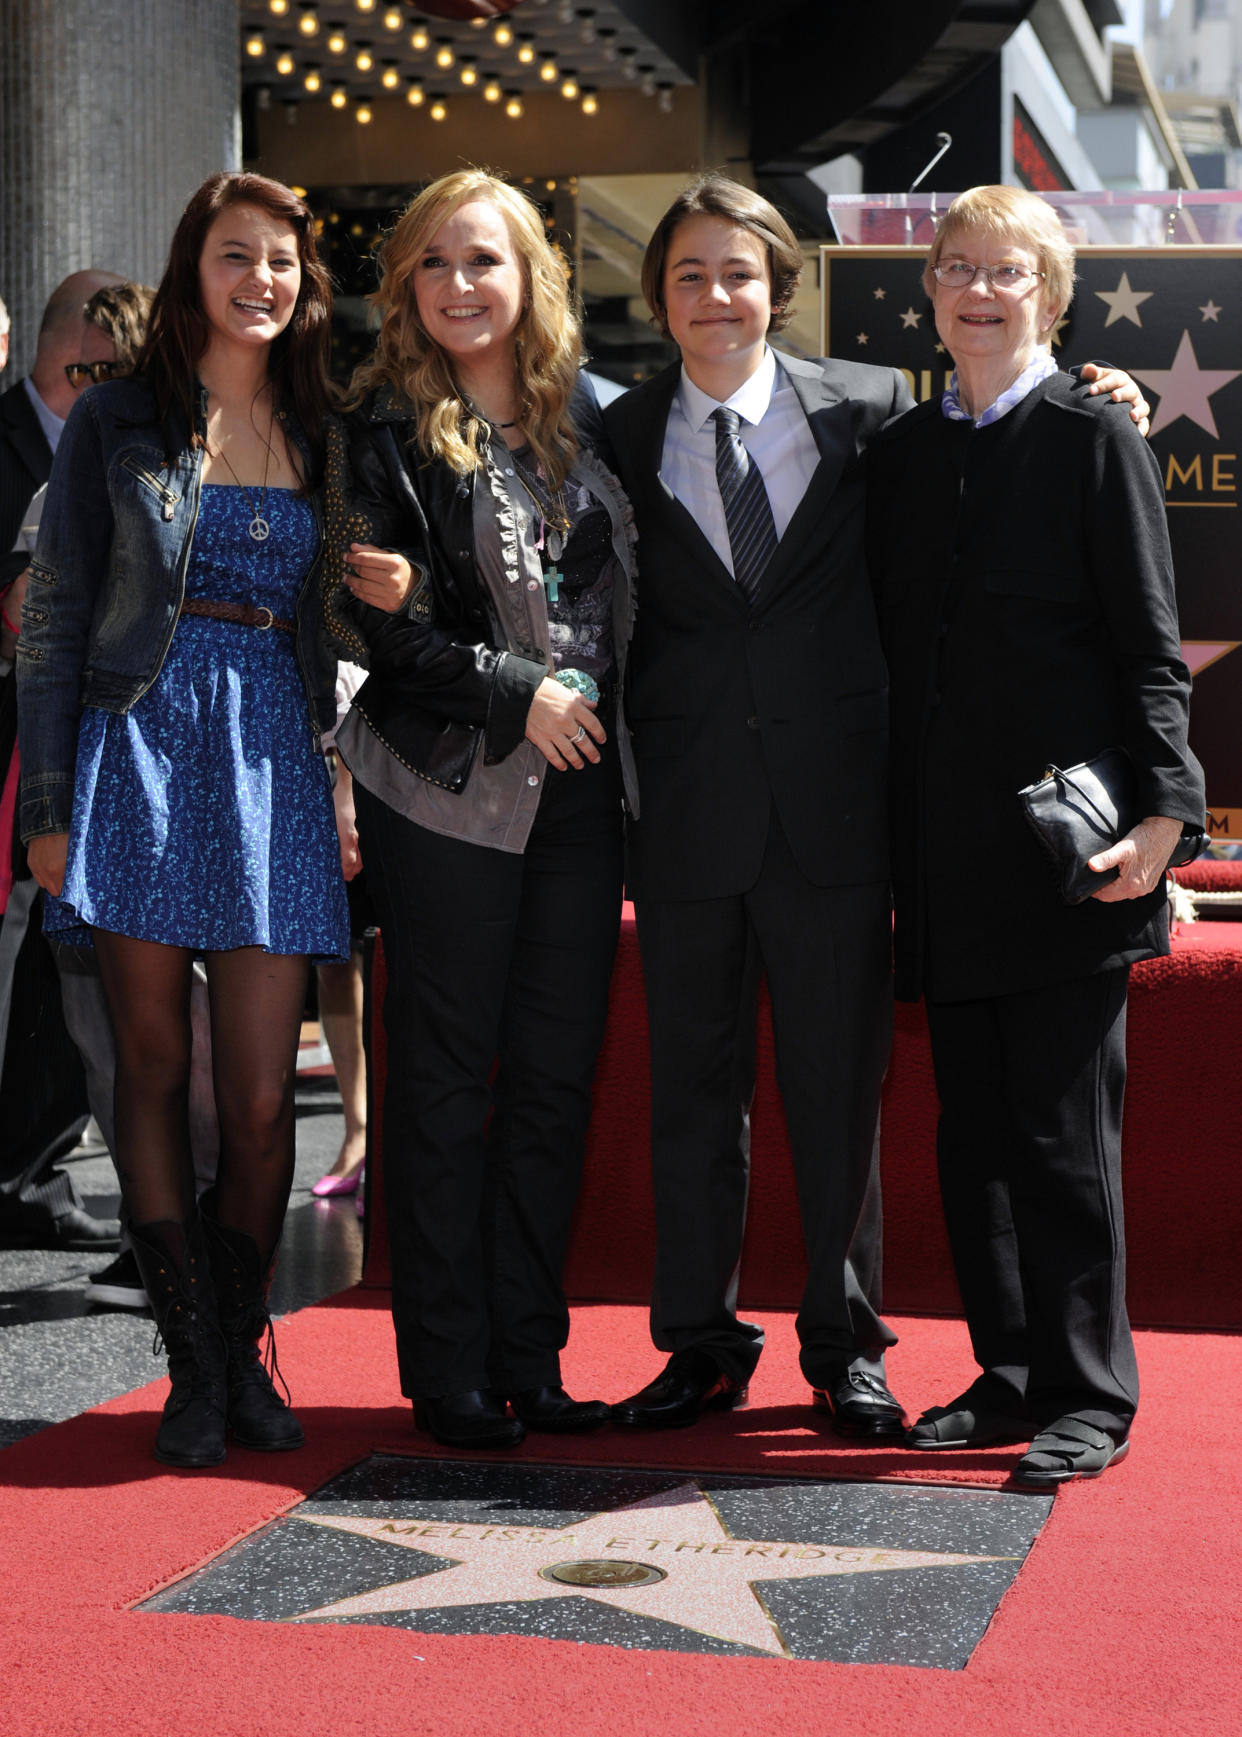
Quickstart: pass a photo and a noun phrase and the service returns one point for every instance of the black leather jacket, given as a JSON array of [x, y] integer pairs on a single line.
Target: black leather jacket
[[440, 689]]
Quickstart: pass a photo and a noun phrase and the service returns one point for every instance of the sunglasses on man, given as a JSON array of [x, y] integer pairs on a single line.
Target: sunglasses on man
[[78, 373]]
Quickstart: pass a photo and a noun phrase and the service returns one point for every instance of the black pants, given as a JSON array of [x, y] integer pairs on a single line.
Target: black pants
[[43, 1107], [1029, 1150], [493, 959], [826, 954]]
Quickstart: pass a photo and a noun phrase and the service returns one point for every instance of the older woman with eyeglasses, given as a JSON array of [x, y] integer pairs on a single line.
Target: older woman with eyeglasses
[[1018, 545]]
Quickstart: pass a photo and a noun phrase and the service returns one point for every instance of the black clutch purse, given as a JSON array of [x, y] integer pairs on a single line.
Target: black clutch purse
[[1083, 810]]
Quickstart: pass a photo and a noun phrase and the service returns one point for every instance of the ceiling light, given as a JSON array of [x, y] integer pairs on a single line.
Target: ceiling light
[[308, 21], [312, 80], [339, 98], [438, 111], [365, 5], [394, 18], [608, 42], [415, 95], [390, 78], [547, 68], [586, 23], [666, 98], [364, 60], [502, 34], [526, 51], [569, 87], [255, 44], [337, 41], [590, 100], [647, 75], [420, 41], [469, 70], [629, 65], [444, 52], [492, 92], [263, 95], [278, 8], [362, 114], [285, 63], [513, 105]]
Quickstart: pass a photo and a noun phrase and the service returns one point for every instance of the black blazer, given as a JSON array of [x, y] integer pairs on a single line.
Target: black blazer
[[734, 708], [1027, 607], [25, 465]]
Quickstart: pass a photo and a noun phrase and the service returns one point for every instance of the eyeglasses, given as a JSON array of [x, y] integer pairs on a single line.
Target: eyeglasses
[[78, 373], [959, 273]]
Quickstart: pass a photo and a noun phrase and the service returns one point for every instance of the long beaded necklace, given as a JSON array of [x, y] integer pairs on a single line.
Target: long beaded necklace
[[258, 527], [554, 524]]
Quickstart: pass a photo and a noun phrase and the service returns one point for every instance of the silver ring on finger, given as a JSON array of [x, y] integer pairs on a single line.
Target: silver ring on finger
[[580, 734]]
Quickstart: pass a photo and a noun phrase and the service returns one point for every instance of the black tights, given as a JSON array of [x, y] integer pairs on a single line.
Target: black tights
[[256, 1010]]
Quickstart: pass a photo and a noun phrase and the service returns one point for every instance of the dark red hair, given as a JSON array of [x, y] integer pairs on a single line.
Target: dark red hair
[[178, 332]]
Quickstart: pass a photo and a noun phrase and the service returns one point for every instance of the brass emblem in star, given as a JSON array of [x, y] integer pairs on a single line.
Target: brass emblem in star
[[1124, 302], [668, 1556]]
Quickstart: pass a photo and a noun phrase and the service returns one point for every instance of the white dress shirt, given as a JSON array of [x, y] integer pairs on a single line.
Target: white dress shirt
[[774, 430], [53, 426]]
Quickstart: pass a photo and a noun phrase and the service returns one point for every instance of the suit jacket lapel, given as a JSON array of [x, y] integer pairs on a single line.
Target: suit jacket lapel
[[649, 452], [830, 417]]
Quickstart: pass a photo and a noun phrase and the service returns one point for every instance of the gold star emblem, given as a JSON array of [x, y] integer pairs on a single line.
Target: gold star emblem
[[862, 338], [910, 319], [879, 294], [668, 1556], [1210, 311], [1124, 302]]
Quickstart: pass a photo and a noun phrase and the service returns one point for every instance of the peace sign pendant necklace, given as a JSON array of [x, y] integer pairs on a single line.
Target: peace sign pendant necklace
[[258, 527]]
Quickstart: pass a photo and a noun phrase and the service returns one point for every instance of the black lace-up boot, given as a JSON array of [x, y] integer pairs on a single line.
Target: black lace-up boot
[[175, 1274], [258, 1416]]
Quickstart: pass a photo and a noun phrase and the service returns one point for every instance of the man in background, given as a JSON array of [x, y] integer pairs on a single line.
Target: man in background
[[43, 1101]]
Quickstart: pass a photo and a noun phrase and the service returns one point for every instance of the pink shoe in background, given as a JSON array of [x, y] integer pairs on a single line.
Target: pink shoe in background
[[331, 1185]]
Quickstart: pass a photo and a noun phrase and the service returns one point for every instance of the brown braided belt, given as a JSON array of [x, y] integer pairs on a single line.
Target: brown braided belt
[[244, 614]]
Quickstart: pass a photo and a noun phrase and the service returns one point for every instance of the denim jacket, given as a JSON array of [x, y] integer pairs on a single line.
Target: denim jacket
[[106, 587]]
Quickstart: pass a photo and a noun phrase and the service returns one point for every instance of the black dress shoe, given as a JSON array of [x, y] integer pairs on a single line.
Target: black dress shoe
[[552, 1410], [477, 1419], [691, 1384], [860, 1405], [33, 1227]]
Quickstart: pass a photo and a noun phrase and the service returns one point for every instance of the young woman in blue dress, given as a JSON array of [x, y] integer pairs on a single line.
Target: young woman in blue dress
[[173, 681]]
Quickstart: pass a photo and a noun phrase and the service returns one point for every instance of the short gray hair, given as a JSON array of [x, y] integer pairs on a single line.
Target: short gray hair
[[4, 318]]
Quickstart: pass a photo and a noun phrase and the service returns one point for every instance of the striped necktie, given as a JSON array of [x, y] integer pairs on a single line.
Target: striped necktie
[[748, 514]]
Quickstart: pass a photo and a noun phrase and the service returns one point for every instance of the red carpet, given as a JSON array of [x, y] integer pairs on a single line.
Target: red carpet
[[1182, 1175], [1125, 1618]]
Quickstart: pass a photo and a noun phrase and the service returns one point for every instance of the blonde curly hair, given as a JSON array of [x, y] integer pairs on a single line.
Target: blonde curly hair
[[548, 339]]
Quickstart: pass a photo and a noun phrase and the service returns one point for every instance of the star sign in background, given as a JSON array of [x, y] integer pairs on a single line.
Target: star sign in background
[[1172, 317]]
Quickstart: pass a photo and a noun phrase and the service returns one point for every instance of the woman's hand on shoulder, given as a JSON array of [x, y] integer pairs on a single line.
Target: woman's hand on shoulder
[[563, 726], [1122, 387], [1142, 857], [47, 857], [380, 577]]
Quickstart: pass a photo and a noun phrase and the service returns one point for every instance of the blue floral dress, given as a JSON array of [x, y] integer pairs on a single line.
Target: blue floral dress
[[202, 817]]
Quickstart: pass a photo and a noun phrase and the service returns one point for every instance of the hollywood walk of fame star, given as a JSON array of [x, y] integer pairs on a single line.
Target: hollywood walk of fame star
[[862, 338], [940, 349], [1124, 302], [709, 1575], [1210, 311], [1184, 389], [1058, 329], [879, 294], [910, 318]]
